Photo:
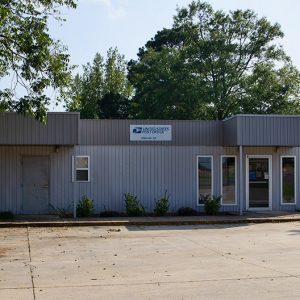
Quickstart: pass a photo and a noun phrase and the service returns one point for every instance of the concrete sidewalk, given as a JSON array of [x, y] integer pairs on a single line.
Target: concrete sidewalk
[[54, 221], [219, 262]]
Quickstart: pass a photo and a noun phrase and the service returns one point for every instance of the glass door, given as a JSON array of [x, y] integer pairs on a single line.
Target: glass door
[[258, 182]]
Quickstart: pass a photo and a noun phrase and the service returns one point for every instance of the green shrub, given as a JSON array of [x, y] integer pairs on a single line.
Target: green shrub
[[212, 204], [6, 215], [186, 211], [133, 207], [85, 207], [162, 205]]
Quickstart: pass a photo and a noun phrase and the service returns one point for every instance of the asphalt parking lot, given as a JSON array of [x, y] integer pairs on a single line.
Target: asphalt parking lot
[[257, 261]]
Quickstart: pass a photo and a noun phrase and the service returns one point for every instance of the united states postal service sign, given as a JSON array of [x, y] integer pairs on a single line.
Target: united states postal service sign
[[150, 132]]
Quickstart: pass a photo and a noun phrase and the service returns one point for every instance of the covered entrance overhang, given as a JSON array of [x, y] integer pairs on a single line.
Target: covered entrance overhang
[[29, 154]]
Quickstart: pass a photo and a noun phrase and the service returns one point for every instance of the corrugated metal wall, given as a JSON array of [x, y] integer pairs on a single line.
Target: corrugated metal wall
[[60, 129], [184, 133], [268, 130], [230, 131], [67, 129], [145, 171], [276, 153], [61, 187]]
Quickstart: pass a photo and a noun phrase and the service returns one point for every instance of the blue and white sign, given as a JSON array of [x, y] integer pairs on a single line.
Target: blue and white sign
[[150, 133]]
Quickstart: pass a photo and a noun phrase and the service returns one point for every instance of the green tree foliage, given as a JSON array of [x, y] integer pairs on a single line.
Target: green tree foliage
[[103, 91], [29, 56], [213, 64]]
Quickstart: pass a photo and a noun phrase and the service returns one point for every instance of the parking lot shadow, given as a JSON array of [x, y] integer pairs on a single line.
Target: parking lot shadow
[[185, 227]]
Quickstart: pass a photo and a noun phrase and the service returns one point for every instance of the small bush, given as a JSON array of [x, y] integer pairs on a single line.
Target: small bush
[[85, 207], [6, 215], [109, 213], [186, 211], [133, 207], [212, 204], [162, 205]]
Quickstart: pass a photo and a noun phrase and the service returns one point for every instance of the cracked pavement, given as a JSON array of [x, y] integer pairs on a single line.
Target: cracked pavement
[[257, 261]]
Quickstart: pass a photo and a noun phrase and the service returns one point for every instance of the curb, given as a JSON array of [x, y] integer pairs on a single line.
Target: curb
[[12, 224]]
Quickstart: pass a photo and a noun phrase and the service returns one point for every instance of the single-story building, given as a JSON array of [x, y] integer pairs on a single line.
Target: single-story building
[[251, 160]]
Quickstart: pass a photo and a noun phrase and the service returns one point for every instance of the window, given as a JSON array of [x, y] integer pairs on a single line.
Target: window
[[228, 180], [81, 168], [288, 180], [205, 179]]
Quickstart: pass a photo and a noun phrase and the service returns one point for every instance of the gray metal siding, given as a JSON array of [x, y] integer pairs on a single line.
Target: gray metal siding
[[184, 133], [269, 130], [61, 187], [230, 132], [145, 171], [276, 188], [60, 129], [68, 129], [247, 130]]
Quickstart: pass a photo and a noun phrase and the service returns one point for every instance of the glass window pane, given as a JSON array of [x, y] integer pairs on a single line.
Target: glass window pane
[[82, 175], [288, 180], [204, 176], [259, 182], [82, 162], [228, 180]]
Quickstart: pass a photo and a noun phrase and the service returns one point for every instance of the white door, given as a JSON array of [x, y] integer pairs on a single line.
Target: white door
[[259, 183]]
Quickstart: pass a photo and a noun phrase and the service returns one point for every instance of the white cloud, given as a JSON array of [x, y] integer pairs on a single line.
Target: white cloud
[[115, 8]]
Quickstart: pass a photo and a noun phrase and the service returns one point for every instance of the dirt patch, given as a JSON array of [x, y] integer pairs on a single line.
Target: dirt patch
[[4, 251], [113, 230]]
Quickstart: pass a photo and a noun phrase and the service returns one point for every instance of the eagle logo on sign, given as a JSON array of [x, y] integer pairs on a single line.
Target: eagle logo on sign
[[137, 130]]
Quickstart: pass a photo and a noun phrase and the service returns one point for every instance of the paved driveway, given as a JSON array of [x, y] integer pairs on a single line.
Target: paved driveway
[[259, 261]]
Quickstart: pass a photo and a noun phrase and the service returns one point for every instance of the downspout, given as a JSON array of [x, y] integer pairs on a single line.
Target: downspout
[[74, 183], [73, 168], [241, 180]]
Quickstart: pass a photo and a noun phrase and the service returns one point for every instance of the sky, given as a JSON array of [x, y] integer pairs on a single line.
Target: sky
[[97, 25]]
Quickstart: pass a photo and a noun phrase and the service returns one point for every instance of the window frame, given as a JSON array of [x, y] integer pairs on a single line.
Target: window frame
[[74, 169], [212, 176], [235, 180], [281, 180]]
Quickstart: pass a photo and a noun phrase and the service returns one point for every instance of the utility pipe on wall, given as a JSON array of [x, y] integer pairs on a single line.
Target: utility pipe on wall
[[74, 184], [241, 181]]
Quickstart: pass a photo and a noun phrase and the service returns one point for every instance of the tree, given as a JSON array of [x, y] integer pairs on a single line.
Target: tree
[[87, 89], [213, 64], [29, 56], [114, 106], [103, 90], [270, 90]]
